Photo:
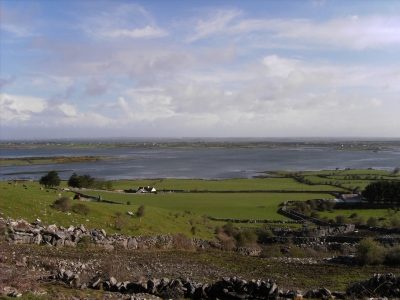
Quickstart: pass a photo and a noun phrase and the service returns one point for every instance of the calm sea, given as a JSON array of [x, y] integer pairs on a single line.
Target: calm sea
[[199, 163]]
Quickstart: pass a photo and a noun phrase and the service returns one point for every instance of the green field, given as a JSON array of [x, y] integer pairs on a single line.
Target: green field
[[264, 184], [219, 205], [174, 212], [165, 213]]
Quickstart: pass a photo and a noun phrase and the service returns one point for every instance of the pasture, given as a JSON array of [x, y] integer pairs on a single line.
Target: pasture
[[256, 184], [165, 213]]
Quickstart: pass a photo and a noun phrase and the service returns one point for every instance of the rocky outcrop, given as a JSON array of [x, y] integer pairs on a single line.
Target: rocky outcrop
[[380, 285], [21, 232]]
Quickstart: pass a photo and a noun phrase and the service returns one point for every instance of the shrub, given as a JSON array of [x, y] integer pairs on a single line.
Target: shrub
[[315, 215], [369, 252], [297, 252], [81, 208], [181, 241], [392, 256], [372, 222], [395, 222], [193, 230], [271, 251], [322, 207], [217, 229], [62, 204], [353, 216], [119, 222], [341, 219], [229, 229], [128, 202], [302, 207], [313, 204], [361, 221], [263, 234], [141, 211], [246, 236]]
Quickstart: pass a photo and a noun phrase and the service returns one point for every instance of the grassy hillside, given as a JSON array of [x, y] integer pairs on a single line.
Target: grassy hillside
[[182, 212], [165, 213]]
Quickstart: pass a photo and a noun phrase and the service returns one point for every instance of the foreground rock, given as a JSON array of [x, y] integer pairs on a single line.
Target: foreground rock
[[226, 288], [380, 285]]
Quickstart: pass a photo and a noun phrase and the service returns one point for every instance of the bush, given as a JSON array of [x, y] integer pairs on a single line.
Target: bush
[[193, 230], [315, 215], [361, 221], [62, 204], [229, 229], [353, 216], [119, 222], [395, 222], [246, 236], [181, 241], [263, 234], [373, 222], [392, 256], [341, 219], [218, 229], [81, 208], [141, 211], [271, 251], [369, 252], [297, 252]]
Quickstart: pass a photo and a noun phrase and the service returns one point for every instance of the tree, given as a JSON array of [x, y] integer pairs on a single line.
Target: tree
[[87, 181], [84, 181], [74, 181], [109, 185], [383, 191], [50, 180]]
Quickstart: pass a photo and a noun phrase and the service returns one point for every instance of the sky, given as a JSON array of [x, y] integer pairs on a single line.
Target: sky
[[169, 68]]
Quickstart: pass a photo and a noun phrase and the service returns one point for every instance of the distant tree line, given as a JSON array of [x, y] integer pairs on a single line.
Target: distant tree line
[[52, 179], [87, 181], [383, 191]]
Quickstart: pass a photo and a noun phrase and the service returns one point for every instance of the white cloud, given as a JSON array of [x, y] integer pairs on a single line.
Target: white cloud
[[68, 110], [16, 107], [352, 32], [216, 23], [123, 21], [146, 32]]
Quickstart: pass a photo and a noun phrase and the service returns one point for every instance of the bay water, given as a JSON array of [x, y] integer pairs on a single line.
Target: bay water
[[142, 163]]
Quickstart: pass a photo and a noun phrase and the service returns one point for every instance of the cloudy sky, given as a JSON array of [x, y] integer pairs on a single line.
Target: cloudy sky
[[312, 68]]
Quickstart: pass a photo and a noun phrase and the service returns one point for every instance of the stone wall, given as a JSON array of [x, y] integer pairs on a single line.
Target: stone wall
[[21, 232]]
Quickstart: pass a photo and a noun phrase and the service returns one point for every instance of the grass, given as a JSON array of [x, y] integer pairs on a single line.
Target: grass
[[365, 213], [270, 184], [179, 212], [220, 205], [165, 213], [31, 203]]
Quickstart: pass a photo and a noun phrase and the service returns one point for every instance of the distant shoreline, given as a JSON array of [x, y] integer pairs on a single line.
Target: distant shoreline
[[348, 145]]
